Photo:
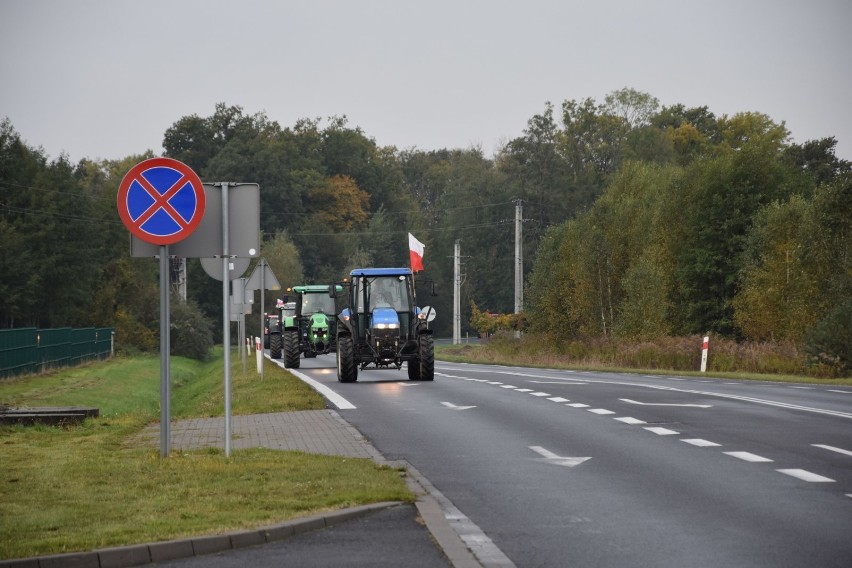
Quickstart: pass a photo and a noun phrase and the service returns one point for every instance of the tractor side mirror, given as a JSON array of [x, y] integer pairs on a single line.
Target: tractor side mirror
[[332, 291]]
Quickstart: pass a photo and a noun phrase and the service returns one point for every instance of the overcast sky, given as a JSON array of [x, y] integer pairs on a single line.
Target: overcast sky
[[106, 78]]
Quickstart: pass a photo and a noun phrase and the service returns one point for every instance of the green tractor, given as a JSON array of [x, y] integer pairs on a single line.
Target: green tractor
[[311, 329], [285, 310], [383, 326]]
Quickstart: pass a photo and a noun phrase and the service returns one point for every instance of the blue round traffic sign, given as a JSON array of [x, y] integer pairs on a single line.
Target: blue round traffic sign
[[161, 201]]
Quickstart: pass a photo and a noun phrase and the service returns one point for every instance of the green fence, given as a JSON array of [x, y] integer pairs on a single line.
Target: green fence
[[31, 350]]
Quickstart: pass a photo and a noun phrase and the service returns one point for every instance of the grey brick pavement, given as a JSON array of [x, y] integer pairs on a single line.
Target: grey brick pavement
[[312, 431]]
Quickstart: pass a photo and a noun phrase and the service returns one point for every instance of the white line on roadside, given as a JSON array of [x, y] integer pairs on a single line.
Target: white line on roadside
[[601, 411], [334, 398], [559, 399], [540, 394], [577, 405]]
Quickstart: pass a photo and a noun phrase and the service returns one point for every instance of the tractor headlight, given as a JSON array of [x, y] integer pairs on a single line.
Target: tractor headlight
[[387, 326]]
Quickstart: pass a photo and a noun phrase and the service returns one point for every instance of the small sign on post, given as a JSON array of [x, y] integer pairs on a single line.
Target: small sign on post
[[704, 349]]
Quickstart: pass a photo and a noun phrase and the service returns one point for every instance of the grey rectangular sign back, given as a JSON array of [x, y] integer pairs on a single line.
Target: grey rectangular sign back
[[206, 240]]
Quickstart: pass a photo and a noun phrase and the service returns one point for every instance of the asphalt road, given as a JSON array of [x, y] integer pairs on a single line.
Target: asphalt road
[[561, 468]]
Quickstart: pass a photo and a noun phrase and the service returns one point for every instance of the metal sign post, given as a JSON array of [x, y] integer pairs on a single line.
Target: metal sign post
[[162, 201], [262, 277], [226, 318]]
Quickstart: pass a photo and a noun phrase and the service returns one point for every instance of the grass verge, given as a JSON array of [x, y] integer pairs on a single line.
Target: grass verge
[[612, 358], [91, 486]]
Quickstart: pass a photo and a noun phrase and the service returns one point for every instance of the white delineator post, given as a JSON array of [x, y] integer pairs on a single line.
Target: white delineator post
[[259, 351], [704, 353]]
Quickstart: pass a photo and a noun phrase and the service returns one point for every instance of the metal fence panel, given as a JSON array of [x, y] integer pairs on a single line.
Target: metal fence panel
[[31, 350]]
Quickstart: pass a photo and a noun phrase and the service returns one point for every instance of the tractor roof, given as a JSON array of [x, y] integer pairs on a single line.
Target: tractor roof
[[380, 272], [315, 289]]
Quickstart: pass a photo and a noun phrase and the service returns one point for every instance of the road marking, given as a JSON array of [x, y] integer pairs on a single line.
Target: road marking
[[833, 449], [601, 411], [540, 394], [664, 403], [577, 405], [559, 399], [803, 388], [550, 457], [700, 443], [805, 475], [840, 391], [523, 390], [556, 382], [334, 398], [661, 431], [747, 456], [508, 387], [630, 420], [452, 406], [494, 383]]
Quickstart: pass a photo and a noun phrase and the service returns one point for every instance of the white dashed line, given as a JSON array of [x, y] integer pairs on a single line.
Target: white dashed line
[[749, 457], [661, 431], [559, 399], [840, 391], [833, 449], [523, 390], [540, 394], [805, 475], [700, 443], [508, 387], [577, 405], [630, 420], [494, 383], [803, 388], [601, 411]]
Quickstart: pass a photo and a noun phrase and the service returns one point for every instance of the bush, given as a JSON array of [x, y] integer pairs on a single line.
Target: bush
[[829, 342], [191, 332]]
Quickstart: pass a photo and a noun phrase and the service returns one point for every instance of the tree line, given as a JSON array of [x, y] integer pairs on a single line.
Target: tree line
[[639, 220]]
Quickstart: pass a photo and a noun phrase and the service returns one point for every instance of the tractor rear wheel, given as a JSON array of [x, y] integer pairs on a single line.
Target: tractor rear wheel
[[291, 349], [347, 368], [275, 345]]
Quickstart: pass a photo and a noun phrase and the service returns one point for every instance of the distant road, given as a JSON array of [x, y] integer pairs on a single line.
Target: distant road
[[562, 468]]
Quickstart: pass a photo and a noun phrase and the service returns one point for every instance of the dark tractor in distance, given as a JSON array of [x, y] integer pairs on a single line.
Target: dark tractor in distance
[[311, 329], [383, 326], [285, 310]]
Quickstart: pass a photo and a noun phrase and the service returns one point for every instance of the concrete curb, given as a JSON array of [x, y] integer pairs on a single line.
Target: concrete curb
[[140, 554]]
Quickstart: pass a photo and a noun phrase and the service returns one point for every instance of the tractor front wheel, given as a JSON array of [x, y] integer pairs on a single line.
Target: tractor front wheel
[[427, 358], [291, 349], [275, 345], [347, 368]]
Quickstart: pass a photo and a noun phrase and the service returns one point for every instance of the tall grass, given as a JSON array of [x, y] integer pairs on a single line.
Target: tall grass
[[666, 354]]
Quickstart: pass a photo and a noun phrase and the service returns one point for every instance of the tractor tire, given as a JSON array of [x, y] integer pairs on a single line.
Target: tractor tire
[[413, 370], [427, 358], [275, 345], [291, 350], [347, 368]]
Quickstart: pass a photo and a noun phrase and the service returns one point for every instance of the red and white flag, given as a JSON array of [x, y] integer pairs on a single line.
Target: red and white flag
[[415, 251]]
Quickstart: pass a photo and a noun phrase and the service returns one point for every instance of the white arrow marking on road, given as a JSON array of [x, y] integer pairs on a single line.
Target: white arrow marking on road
[[550, 457], [665, 404], [452, 406]]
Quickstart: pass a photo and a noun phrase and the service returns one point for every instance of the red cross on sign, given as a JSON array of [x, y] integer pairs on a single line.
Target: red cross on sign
[[161, 201]]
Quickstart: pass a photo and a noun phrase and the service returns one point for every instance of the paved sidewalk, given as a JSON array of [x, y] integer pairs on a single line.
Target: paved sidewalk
[[313, 431]]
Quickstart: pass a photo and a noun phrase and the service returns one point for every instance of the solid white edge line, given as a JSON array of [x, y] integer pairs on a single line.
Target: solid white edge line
[[334, 398], [805, 475]]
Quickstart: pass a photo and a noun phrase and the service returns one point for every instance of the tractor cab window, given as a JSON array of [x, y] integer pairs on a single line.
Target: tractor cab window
[[388, 292], [313, 303]]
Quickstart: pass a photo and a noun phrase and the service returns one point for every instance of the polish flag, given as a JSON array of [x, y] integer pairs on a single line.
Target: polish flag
[[415, 251]]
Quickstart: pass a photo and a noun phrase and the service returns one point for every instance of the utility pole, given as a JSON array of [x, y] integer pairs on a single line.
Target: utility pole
[[456, 293], [519, 257]]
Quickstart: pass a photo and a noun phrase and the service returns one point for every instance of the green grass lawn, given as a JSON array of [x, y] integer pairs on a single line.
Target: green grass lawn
[[93, 486]]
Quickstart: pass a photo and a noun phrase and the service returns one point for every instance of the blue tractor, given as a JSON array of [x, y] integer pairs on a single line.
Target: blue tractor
[[383, 326]]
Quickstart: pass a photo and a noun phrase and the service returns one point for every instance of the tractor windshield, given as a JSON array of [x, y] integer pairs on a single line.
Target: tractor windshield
[[389, 292], [313, 303]]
